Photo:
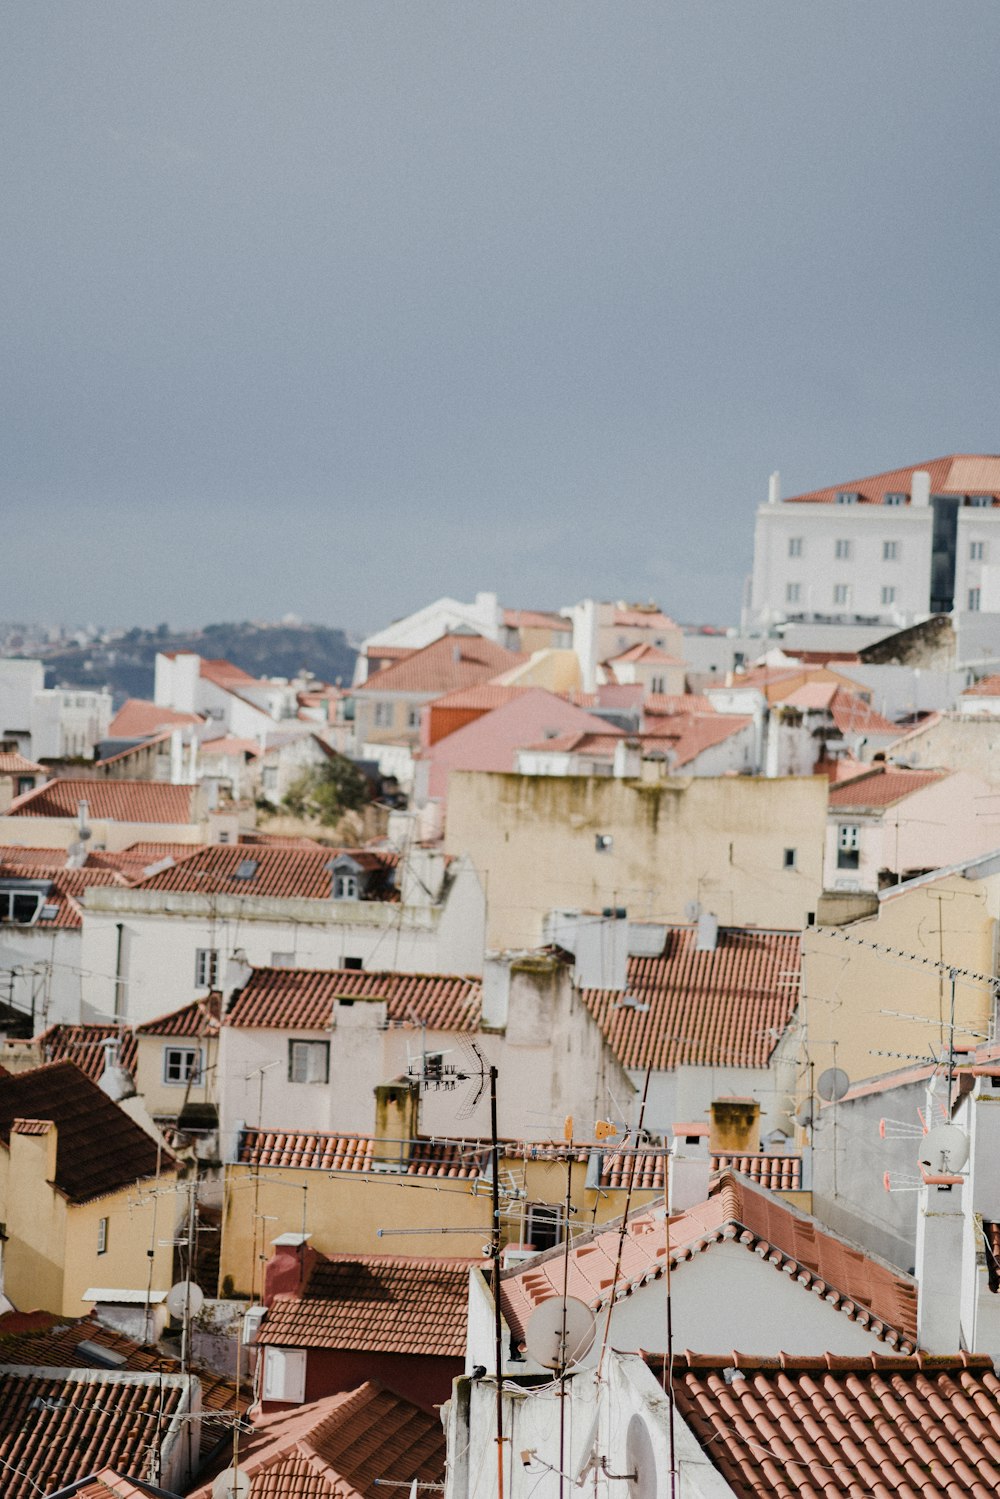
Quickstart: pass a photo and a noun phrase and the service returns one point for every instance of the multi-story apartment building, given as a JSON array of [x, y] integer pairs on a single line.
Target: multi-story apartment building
[[889, 549]]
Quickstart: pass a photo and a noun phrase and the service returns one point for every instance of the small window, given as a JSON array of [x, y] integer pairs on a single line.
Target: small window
[[981, 501], [847, 497], [383, 715], [354, 964], [25, 783], [977, 551], [842, 549], [895, 498], [848, 841], [206, 967], [542, 1225], [308, 1061], [974, 596], [345, 887], [102, 1235], [413, 718], [285, 1375], [246, 869], [225, 838], [793, 593], [795, 546], [890, 551], [789, 858], [181, 1065], [841, 593], [888, 595], [658, 684]]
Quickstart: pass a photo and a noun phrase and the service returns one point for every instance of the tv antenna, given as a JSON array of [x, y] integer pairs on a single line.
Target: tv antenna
[[447, 1077]]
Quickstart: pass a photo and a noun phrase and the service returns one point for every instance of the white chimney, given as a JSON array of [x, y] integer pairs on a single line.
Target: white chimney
[[774, 489], [496, 991], [627, 764], [707, 938], [940, 1233], [176, 757], [920, 488]]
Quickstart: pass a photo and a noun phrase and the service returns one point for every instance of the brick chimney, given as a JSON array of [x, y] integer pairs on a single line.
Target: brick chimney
[[289, 1267], [735, 1127]]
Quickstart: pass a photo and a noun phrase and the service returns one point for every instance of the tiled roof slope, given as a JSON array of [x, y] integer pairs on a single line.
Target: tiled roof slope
[[112, 801], [54, 1342], [199, 1018], [847, 1426], [376, 1304], [882, 787], [67, 888], [882, 1300], [280, 873], [778, 1173], [110, 1484], [14, 764], [138, 717], [687, 735], [446, 664], [100, 1149], [83, 1044], [719, 1008], [665, 704], [340, 1447], [303, 998], [985, 687], [959, 473], [65, 1425]]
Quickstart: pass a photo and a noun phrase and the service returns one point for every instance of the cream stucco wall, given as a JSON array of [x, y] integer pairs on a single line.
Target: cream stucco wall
[[720, 841]]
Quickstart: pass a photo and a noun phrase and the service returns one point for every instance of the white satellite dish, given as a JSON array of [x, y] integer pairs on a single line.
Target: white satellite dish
[[833, 1084], [804, 1113], [232, 1484], [560, 1332], [944, 1150], [640, 1460], [185, 1299]]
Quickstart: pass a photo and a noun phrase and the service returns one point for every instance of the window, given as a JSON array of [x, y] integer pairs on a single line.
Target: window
[[269, 778], [841, 593], [848, 840], [413, 718], [658, 684], [21, 901], [981, 501], [974, 599], [285, 1375], [206, 967], [895, 498], [542, 1225], [788, 861], [308, 1061], [977, 551], [345, 887], [890, 551], [225, 838], [181, 1065], [282, 960], [795, 546], [102, 1235], [888, 595], [847, 497], [25, 783], [793, 592], [842, 549], [383, 715], [354, 964]]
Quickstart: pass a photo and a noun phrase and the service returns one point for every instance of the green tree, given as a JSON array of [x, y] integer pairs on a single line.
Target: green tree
[[327, 791]]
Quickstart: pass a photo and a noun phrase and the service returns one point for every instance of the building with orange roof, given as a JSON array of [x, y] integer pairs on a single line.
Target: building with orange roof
[[111, 813]]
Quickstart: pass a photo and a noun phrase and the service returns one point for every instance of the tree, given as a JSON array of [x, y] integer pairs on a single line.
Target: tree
[[327, 791]]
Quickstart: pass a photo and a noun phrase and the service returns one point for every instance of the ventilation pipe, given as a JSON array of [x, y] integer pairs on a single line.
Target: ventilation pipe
[[774, 489]]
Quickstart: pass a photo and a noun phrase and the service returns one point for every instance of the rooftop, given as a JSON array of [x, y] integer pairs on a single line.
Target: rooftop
[[138, 718], [451, 662], [85, 1046], [376, 1304], [848, 1426], [726, 1007], [270, 872], [14, 764], [112, 801], [985, 687], [304, 998], [958, 474], [882, 786], [99, 1148]]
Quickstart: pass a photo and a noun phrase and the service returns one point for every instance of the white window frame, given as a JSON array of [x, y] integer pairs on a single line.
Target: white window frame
[[185, 1062], [974, 598], [842, 549], [345, 886], [308, 1061], [888, 595], [842, 594], [977, 551], [890, 551], [206, 967], [795, 546], [102, 1235]]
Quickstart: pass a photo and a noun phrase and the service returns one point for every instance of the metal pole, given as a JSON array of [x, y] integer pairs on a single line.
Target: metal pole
[[495, 1254]]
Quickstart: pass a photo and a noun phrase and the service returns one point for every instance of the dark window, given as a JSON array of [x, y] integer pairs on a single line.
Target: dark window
[[353, 963], [542, 1225]]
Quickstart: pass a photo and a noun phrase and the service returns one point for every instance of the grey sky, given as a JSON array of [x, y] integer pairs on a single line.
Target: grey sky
[[335, 307]]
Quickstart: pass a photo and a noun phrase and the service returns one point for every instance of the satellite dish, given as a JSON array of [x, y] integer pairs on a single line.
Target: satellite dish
[[944, 1150], [639, 1460], [231, 1484], [833, 1084], [560, 1332], [185, 1298], [804, 1114]]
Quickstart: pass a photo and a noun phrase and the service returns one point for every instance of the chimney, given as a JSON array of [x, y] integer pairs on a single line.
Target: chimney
[[735, 1128], [920, 488], [176, 758], [289, 1267], [627, 764], [37, 1148], [940, 1225], [707, 937], [689, 1167], [774, 489], [496, 991], [397, 1105]]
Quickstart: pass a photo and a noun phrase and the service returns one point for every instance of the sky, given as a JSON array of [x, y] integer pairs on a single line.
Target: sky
[[331, 309]]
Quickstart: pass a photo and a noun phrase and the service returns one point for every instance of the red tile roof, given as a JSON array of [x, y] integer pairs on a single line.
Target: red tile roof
[[453, 661], [112, 801], [651, 655], [579, 742], [881, 787], [200, 1018], [778, 1173], [280, 873], [535, 619], [665, 704], [726, 1008], [13, 764], [483, 696], [100, 1150], [793, 1243], [84, 1045], [376, 1304], [66, 888], [959, 473], [687, 735], [70, 1424], [110, 1484], [844, 1426], [852, 715], [303, 998], [137, 718], [340, 1447], [638, 617], [985, 687], [223, 673]]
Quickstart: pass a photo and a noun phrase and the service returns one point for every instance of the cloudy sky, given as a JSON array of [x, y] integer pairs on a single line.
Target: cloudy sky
[[332, 308]]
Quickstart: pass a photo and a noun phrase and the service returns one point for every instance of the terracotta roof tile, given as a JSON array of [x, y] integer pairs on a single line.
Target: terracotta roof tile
[[535, 619], [985, 687], [339, 1447], [650, 654], [84, 1045], [66, 1424], [100, 1149], [199, 1018], [376, 1304], [857, 1427], [665, 704], [636, 617], [881, 787], [13, 764], [779, 1173], [61, 900], [110, 1484], [687, 735], [112, 801], [852, 715], [727, 1007], [303, 998], [959, 473], [267, 872], [137, 718], [451, 662], [884, 1301]]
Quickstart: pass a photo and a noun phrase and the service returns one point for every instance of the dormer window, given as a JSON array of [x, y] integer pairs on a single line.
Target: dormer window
[[22, 901], [345, 887], [847, 497]]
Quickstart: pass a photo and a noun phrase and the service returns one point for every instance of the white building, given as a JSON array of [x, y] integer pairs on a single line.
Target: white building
[[889, 549], [443, 617]]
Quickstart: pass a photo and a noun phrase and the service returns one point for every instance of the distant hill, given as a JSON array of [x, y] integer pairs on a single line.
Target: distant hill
[[126, 665]]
